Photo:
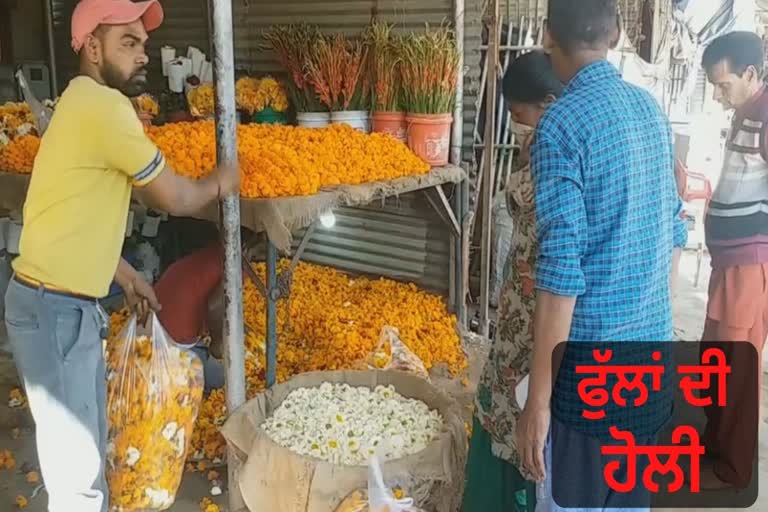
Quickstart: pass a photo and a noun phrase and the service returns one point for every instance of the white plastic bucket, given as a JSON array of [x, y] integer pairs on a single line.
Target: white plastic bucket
[[357, 119], [313, 119]]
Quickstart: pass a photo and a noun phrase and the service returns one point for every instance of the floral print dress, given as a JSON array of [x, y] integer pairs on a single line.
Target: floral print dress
[[509, 359]]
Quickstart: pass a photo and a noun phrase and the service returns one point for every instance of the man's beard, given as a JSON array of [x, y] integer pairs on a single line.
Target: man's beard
[[132, 87]]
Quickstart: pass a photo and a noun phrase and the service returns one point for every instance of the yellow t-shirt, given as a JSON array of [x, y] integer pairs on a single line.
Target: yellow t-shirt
[[75, 215]]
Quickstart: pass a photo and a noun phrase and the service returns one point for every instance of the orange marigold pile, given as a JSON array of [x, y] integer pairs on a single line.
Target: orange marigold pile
[[280, 161], [332, 322], [19, 155]]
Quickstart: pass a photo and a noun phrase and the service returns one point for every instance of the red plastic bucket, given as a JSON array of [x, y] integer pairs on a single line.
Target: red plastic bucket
[[391, 123], [429, 136]]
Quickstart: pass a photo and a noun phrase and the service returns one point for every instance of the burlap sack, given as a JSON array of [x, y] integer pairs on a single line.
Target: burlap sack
[[273, 478]]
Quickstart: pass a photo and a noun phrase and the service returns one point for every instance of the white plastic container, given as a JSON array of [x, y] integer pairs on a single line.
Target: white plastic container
[[14, 237], [313, 119], [357, 119]]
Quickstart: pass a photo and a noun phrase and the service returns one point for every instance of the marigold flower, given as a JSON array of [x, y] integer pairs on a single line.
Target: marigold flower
[[21, 502], [19, 155]]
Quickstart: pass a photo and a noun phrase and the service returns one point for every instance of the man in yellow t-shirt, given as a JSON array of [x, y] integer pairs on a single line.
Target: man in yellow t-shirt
[[92, 155]]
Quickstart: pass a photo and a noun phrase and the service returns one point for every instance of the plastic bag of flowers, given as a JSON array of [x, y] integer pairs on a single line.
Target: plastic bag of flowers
[[393, 354], [378, 497], [154, 392]]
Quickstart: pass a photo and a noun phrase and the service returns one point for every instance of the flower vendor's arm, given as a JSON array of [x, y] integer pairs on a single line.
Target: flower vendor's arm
[[126, 147], [182, 196], [560, 223]]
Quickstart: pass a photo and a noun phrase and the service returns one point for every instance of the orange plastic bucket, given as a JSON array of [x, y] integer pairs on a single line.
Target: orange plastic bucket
[[391, 123], [429, 136]]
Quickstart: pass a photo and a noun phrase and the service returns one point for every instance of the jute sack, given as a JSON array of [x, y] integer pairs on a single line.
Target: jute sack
[[272, 478]]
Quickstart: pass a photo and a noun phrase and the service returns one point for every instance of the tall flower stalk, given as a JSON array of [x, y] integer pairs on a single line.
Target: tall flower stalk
[[335, 70], [385, 62], [430, 71], [294, 46]]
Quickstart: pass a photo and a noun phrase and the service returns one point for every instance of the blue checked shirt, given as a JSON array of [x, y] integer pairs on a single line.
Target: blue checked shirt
[[607, 213]]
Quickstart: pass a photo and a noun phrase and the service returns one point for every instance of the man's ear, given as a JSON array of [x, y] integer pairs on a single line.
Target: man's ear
[[752, 74], [550, 99]]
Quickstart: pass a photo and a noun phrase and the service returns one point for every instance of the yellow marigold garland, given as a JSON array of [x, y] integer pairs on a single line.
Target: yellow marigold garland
[[19, 155], [280, 161]]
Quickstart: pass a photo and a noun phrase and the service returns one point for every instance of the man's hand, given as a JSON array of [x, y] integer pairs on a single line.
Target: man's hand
[[141, 298], [532, 431], [139, 294]]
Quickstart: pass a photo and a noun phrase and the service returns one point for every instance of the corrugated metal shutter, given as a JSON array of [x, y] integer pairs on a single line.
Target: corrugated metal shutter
[[402, 240], [186, 24]]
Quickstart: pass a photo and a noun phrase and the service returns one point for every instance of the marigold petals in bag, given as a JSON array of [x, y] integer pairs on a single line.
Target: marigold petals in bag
[[392, 354], [154, 392]]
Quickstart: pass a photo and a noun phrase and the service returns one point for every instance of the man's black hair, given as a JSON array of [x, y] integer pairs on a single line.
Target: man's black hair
[[739, 49], [530, 79], [583, 24]]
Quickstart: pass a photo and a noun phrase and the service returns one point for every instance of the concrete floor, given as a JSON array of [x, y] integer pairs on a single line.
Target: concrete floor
[[689, 310]]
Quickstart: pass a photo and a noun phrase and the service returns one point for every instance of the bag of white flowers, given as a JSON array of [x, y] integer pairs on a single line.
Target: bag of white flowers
[[305, 445], [154, 392]]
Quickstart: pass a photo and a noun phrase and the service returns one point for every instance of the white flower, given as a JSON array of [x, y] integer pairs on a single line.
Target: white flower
[[133, 456], [160, 498], [344, 425], [170, 430]]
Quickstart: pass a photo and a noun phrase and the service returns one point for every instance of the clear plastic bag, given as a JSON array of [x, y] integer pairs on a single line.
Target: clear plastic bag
[[42, 113], [154, 392], [392, 354], [377, 498]]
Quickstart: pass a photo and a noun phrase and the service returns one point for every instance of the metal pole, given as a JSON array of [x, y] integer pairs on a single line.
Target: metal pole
[[226, 152], [656, 36], [459, 293], [272, 297], [488, 168], [52, 68]]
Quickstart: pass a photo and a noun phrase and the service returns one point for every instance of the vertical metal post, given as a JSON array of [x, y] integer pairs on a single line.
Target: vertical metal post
[[488, 168], [226, 153], [656, 28], [271, 314], [52, 68], [459, 262]]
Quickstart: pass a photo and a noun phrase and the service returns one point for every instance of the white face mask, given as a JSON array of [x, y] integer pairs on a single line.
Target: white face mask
[[522, 130]]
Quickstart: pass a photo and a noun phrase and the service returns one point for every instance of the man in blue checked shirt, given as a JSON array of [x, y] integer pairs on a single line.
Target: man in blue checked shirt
[[610, 229]]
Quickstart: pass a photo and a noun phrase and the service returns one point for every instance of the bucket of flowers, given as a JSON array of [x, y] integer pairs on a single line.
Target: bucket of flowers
[[386, 82], [293, 46], [337, 73], [430, 77]]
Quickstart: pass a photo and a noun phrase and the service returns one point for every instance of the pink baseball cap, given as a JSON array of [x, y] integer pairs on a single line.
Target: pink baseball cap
[[89, 14]]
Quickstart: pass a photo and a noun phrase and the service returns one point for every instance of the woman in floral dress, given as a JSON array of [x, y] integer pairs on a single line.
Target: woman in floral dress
[[494, 480]]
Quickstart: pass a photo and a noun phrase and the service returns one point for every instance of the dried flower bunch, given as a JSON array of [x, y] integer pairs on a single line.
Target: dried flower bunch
[[148, 105], [430, 71]]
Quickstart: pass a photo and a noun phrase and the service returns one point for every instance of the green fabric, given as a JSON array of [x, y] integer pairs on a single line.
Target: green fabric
[[494, 485]]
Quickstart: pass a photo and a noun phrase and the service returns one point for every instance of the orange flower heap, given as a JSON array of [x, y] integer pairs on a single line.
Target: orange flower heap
[[153, 395], [16, 120], [280, 161], [332, 322], [19, 155]]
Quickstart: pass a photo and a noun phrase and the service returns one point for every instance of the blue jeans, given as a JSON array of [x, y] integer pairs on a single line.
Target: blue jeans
[[213, 370], [59, 354], [578, 466]]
